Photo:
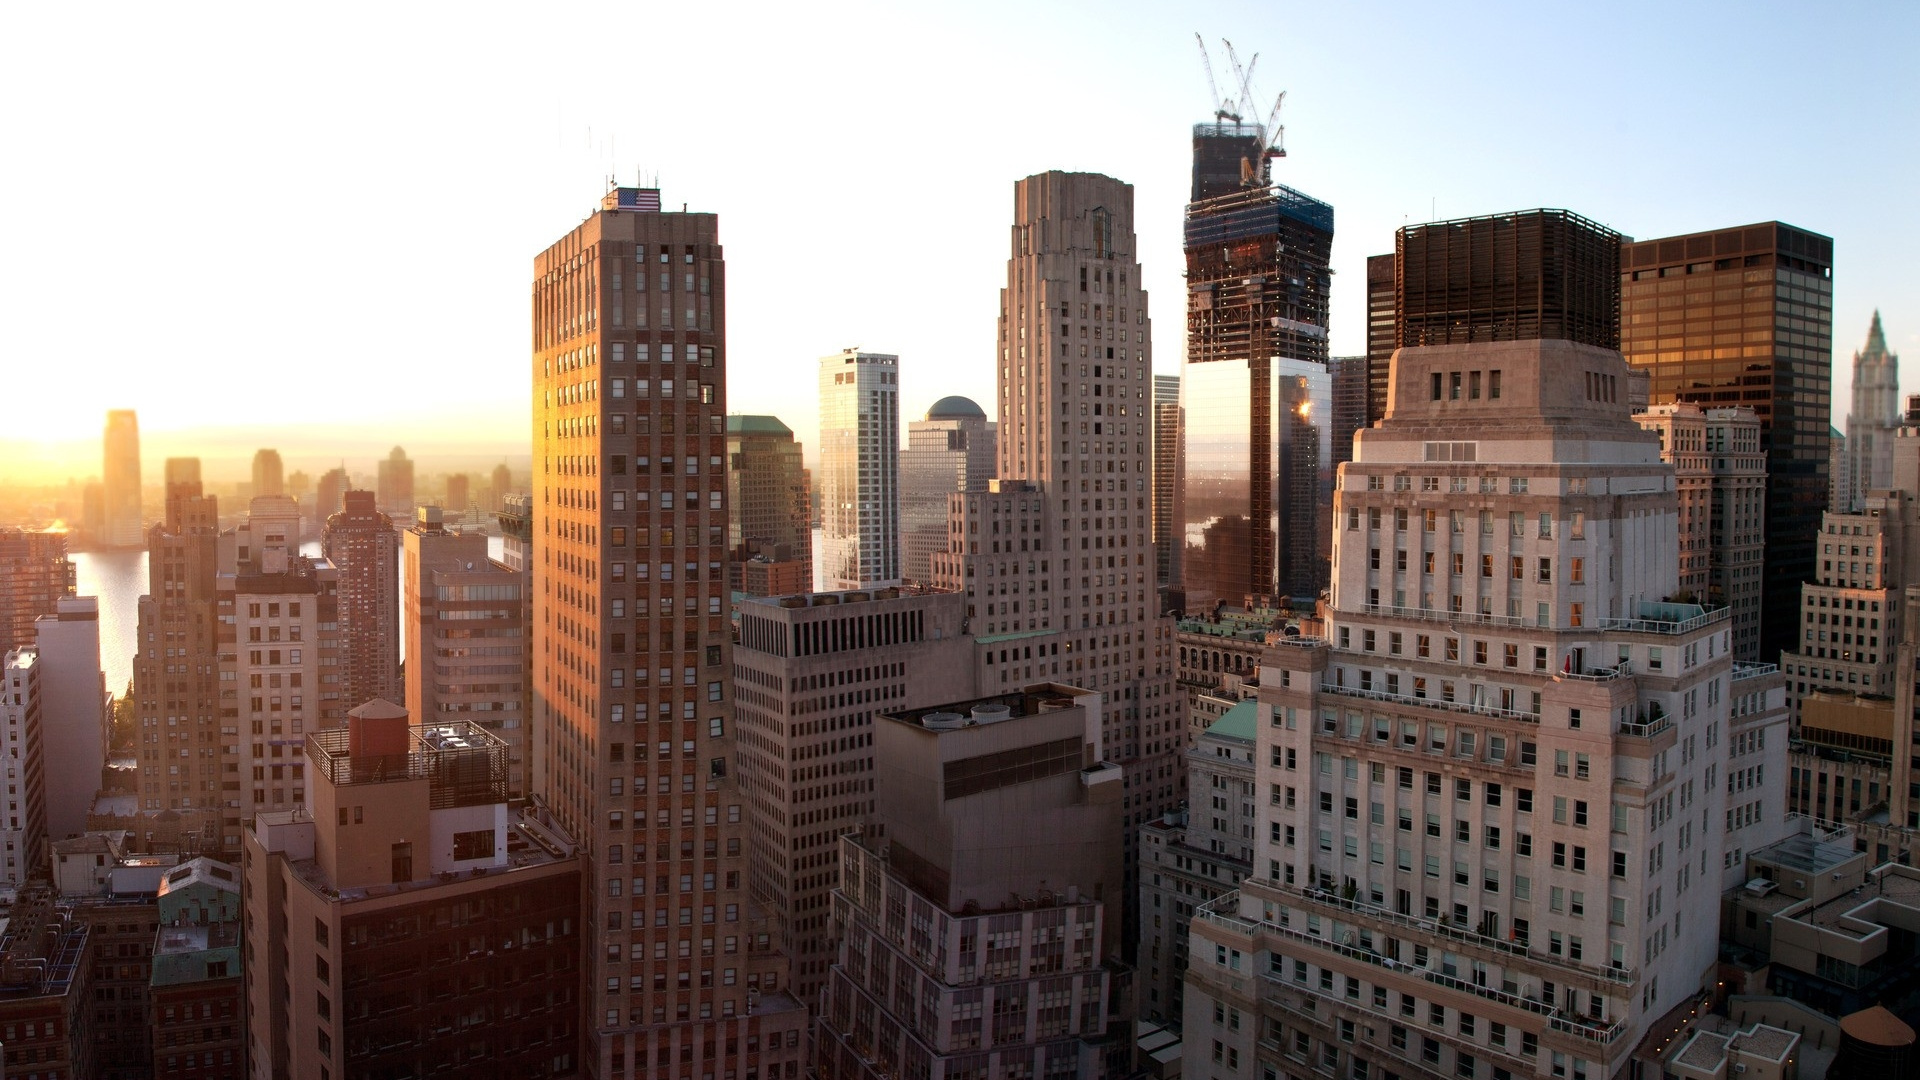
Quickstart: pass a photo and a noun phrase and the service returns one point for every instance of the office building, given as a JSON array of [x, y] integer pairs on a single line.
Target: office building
[[1839, 471], [122, 475], [1349, 377], [1190, 857], [1219, 664], [1874, 418], [859, 470], [330, 495], [502, 485], [1720, 475], [1850, 614], [1054, 559], [22, 736], [1382, 334], [1491, 818], [632, 649], [950, 451], [364, 547], [1255, 392], [466, 631], [1166, 481], [269, 476], [46, 990], [35, 574], [458, 486], [405, 922], [75, 708], [195, 994], [394, 483], [996, 825], [812, 672], [1689, 320], [299, 485], [1531, 275], [771, 516], [178, 694]]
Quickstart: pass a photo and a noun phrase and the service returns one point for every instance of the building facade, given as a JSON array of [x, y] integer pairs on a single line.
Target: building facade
[[951, 450], [269, 473], [1744, 316], [178, 691], [35, 574], [394, 483], [1486, 815], [1055, 560], [772, 508], [22, 735], [1850, 613], [632, 649], [196, 1000], [974, 913], [1166, 481], [859, 470], [1874, 418], [362, 544], [811, 673]]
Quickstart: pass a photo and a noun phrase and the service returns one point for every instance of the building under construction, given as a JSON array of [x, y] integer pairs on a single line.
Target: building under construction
[[1257, 286]]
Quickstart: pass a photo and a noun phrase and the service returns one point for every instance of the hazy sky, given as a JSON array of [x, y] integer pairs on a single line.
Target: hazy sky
[[287, 217]]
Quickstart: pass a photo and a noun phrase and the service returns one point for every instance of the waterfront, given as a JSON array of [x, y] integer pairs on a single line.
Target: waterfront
[[118, 578]]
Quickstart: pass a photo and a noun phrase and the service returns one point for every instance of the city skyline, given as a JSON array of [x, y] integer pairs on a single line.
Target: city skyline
[[292, 142]]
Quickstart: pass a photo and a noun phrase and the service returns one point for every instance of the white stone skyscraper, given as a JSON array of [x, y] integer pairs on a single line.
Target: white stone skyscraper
[[1495, 798], [1874, 418], [859, 477], [1056, 558]]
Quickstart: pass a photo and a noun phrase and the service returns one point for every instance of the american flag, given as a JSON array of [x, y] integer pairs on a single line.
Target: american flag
[[640, 199]]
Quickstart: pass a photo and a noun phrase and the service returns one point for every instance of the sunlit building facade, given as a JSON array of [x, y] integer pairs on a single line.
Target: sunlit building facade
[[859, 475], [122, 475]]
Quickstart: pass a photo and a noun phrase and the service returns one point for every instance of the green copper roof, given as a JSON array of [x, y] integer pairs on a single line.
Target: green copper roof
[[1239, 722], [756, 425]]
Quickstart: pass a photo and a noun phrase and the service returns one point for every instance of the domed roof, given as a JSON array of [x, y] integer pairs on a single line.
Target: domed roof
[[955, 408]]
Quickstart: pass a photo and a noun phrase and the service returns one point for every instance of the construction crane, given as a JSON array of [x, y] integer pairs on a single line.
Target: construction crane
[[1275, 131], [1223, 109]]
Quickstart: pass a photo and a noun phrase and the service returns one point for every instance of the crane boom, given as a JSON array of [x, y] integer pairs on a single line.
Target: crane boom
[[1221, 111]]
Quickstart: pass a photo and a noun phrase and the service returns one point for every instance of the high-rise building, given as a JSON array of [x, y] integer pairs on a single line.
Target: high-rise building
[[330, 494], [814, 671], [1349, 377], [502, 485], [1850, 613], [364, 547], [1382, 333], [122, 474], [859, 469], [1874, 418], [268, 473], [1839, 471], [299, 484], [1491, 818], [996, 824], [1166, 482], [394, 484], [771, 512], [34, 574], [1253, 442], [1054, 559], [632, 650], [405, 921], [466, 636], [1721, 477], [1744, 316], [950, 451], [458, 485], [22, 739], [75, 708], [178, 692], [1535, 274]]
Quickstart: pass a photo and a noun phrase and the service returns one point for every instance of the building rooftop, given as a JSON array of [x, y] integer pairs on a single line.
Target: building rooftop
[[191, 954], [1239, 722], [756, 425], [530, 844], [1807, 853], [955, 407]]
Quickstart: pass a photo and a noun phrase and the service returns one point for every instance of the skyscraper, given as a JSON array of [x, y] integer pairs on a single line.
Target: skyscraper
[[1054, 559], [1257, 282], [1744, 316], [632, 646], [1874, 418], [122, 474], [394, 484], [35, 574], [177, 682], [950, 451], [458, 485], [770, 510], [73, 710], [330, 494], [1466, 828], [1381, 305], [268, 473], [502, 485], [1349, 377], [1166, 482], [362, 544], [859, 469]]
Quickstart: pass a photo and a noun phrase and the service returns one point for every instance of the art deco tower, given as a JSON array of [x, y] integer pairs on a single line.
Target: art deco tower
[[633, 711], [1056, 560], [1874, 418]]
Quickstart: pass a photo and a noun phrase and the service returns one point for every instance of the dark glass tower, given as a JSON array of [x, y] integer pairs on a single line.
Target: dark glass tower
[[1744, 316]]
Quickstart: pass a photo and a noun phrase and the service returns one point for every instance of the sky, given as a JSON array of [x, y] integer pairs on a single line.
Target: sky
[[314, 226]]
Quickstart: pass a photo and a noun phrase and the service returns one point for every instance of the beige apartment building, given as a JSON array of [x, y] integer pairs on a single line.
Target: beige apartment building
[[632, 648], [811, 673], [465, 629], [1494, 797], [406, 921], [189, 745], [975, 909]]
